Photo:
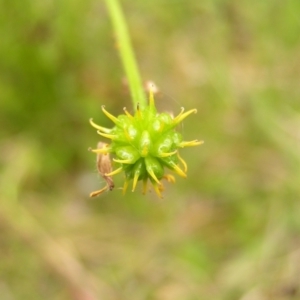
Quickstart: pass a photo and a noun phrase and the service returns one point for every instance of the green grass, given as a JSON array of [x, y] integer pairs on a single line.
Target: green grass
[[228, 231]]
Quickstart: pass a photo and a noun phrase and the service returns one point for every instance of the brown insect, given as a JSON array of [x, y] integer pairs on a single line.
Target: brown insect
[[104, 167]]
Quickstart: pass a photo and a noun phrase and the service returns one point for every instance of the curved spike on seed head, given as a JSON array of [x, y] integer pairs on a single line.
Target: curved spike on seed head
[[100, 128], [110, 116], [181, 112], [182, 115], [190, 143], [123, 161], [167, 154], [107, 135], [128, 114], [183, 162], [135, 180], [178, 170], [125, 186], [151, 173], [117, 171]]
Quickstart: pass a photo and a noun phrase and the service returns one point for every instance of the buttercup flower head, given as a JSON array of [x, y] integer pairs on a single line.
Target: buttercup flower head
[[143, 145]]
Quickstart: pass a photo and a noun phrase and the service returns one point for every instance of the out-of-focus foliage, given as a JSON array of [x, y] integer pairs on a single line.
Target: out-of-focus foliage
[[230, 230]]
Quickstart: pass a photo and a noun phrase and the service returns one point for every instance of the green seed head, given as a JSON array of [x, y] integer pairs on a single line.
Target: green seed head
[[145, 144]]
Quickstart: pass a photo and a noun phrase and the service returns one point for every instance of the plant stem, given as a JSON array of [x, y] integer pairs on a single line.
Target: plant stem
[[126, 53]]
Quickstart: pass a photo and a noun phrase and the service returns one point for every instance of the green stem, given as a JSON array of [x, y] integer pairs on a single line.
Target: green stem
[[126, 53]]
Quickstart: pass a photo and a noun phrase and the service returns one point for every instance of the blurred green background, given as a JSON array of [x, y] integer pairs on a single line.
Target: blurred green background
[[231, 230]]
